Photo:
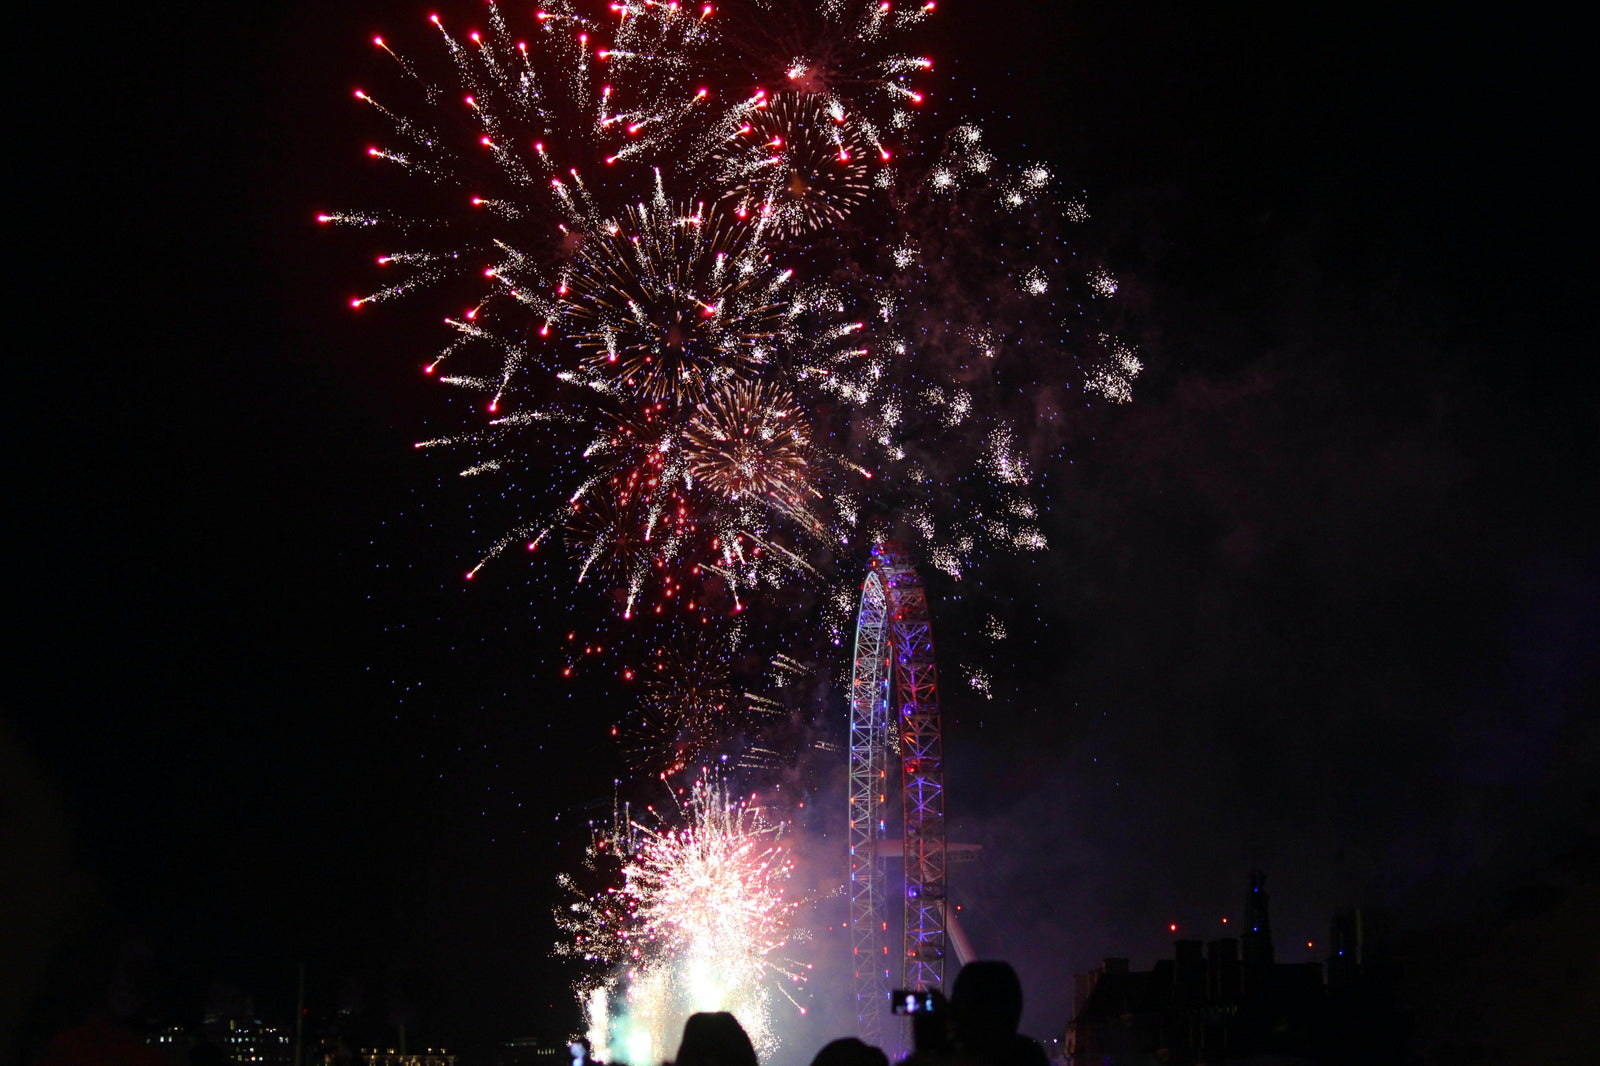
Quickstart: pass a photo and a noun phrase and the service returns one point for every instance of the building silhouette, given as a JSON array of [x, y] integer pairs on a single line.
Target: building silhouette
[[1230, 1000]]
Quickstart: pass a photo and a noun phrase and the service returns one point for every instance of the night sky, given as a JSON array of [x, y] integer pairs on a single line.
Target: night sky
[[1324, 599]]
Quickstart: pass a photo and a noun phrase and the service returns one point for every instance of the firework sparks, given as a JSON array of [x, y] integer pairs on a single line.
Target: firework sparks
[[688, 708], [700, 921], [750, 440], [848, 50], [798, 164], [667, 302], [698, 407]]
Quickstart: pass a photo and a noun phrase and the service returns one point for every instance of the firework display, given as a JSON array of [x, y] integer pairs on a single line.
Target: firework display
[[798, 164], [688, 708], [697, 920], [718, 406], [732, 308], [669, 303]]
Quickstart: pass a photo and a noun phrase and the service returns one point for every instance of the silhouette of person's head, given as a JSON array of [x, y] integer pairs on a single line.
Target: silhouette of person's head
[[715, 1038], [985, 1010], [986, 1002], [848, 1051]]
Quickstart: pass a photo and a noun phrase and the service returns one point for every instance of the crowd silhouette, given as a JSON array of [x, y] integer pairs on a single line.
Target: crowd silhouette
[[976, 1027]]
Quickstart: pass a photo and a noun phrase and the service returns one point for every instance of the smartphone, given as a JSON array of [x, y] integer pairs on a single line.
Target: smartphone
[[905, 1001]]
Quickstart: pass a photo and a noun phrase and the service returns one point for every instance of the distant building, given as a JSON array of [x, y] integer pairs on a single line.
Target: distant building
[[391, 1057], [1210, 1003], [532, 1051], [247, 1041], [1364, 1016]]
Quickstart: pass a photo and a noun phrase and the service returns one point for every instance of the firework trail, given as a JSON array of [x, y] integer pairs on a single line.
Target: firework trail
[[700, 922]]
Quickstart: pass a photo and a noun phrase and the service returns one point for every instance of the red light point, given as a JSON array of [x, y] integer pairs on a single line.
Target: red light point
[[427, 370], [541, 15], [434, 19], [355, 303], [474, 36], [1172, 928], [360, 95], [378, 41]]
